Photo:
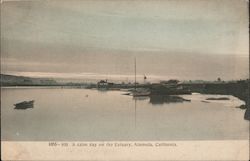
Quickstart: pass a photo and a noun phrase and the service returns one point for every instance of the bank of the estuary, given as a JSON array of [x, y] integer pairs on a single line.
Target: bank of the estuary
[[239, 89]]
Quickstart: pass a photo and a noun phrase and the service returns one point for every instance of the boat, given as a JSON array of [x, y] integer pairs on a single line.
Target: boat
[[24, 105], [138, 92], [141, 92]]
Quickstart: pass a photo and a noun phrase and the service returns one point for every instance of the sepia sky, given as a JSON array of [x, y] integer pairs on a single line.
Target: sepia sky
[[36, 36]]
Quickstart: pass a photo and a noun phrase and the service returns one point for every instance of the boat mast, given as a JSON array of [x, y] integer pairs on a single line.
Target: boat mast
[[135, 73]]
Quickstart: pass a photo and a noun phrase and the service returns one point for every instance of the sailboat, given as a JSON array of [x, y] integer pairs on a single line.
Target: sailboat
[[137, 92]]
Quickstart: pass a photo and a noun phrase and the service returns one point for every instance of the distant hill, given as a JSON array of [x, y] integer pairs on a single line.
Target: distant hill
[[11, 80]]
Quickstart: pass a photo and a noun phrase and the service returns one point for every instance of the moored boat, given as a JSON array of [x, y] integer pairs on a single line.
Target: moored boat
[[141, 92], [138, 94]]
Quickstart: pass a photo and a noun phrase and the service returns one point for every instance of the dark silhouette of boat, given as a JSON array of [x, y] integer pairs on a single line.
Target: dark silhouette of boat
[[141, 92], [24, 105]]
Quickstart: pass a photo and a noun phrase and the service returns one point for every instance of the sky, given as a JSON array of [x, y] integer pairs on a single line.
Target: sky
[[73, 36]]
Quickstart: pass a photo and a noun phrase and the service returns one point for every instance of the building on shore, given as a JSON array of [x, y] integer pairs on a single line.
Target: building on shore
[[104, 84]]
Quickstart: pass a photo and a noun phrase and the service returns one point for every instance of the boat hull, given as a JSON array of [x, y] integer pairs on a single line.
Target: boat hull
[[24, 105], [141, 94]]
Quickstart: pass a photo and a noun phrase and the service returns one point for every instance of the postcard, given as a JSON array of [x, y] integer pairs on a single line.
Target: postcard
[[125, 80]]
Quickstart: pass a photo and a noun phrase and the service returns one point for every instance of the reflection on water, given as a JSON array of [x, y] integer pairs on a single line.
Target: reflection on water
[[88, 115], [161, 99], [135, 112], [156, 100]]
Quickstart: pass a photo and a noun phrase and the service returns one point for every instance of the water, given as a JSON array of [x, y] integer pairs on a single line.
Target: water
[[87, 115]]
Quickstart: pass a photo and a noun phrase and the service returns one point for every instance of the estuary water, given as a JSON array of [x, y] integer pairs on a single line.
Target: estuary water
[[90, 115]]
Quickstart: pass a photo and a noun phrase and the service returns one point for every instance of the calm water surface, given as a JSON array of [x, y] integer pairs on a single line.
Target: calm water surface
[[86, 115]]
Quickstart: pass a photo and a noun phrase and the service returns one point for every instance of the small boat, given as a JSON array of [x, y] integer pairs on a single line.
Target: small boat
[[24, 105], [141, 92]]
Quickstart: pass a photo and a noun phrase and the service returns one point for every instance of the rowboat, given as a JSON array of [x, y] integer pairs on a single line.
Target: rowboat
[[24, 105]]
